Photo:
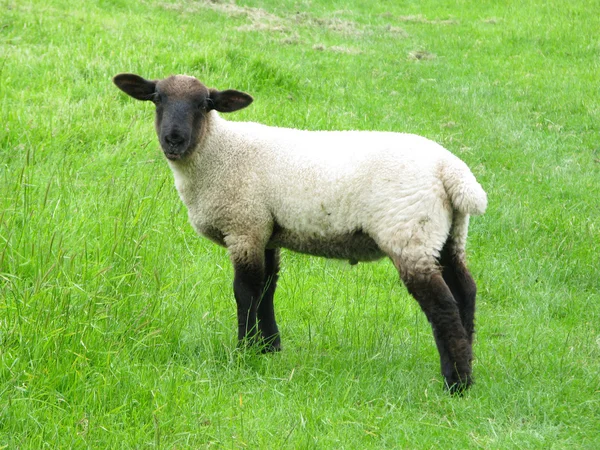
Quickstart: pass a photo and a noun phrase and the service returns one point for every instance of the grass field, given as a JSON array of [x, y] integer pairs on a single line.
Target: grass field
[[117, 323]]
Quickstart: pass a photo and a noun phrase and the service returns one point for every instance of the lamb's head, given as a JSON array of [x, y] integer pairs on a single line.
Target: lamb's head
[[182, 103]]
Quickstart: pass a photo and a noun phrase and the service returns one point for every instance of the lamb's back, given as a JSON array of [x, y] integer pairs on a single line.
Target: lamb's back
[[339, 181]]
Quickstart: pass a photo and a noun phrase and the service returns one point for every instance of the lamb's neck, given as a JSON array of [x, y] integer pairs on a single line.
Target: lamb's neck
[[204, 166]]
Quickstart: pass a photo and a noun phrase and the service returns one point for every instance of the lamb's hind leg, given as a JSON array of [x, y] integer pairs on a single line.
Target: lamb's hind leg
[[461, 284], [455, 272], [265, 311], [436, 300]]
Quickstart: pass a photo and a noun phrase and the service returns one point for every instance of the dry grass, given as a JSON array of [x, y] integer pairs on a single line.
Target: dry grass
[[422, 19], [337, 49], [421, 55], [261, 20]]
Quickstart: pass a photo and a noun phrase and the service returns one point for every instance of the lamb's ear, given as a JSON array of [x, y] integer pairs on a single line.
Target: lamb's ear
[[229, 100], [135, 86]]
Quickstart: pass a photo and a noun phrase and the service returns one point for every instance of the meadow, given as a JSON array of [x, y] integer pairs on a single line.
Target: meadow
[[117, 322]]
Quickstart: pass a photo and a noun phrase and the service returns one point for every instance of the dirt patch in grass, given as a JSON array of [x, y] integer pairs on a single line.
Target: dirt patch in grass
[[396, 30], [337, 49], [260, 26], [262, 20], [491, 21], [293, 39], [421, 55], [334, 24], [422, 19]]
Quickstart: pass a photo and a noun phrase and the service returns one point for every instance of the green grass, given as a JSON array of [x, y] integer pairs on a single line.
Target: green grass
[[117, 324]]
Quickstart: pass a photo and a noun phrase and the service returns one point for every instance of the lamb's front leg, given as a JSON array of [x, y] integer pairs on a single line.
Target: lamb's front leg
[[266, 313], [249, 267]]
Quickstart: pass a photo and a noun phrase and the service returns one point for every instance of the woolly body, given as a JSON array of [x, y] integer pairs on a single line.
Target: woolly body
[[355, 195]]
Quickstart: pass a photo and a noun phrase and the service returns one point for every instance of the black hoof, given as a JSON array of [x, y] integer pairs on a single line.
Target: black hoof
[[458, 385], [271, 345]]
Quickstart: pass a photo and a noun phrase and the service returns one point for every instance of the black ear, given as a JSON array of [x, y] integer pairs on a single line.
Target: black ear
[[229, 100], [135, 86]]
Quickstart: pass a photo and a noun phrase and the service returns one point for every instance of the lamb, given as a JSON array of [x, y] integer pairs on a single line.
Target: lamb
[[354, 195]]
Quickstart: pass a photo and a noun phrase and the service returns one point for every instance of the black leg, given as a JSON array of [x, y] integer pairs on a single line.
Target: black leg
[[266, 313], [461, 283], [247, 288], [438, 304]]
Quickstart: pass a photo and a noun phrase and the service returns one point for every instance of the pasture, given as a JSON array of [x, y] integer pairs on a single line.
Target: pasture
[[117, 323]]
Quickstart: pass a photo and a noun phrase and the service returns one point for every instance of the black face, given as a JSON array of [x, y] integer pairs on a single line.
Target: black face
[[180, 115], [182, 104]]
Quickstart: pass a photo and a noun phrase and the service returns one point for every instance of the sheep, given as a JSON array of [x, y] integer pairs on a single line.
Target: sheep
[[354, 195]]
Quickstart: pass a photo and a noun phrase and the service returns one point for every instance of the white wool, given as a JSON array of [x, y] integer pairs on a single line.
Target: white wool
[[403, 191]]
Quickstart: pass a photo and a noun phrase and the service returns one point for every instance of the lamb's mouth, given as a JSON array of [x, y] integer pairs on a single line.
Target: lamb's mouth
[[175, 153], [173, 156]]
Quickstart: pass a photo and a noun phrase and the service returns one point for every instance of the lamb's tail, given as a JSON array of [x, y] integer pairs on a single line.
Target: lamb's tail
[[466, 194]]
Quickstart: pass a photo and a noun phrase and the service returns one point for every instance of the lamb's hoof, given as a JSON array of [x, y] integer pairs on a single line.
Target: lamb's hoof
[[271, 345], [458, 385]]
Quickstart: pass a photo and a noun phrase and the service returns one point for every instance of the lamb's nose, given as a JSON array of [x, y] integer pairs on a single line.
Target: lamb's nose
[[174, 139]]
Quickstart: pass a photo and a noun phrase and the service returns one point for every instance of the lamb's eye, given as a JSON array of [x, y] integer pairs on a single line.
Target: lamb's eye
[[156, 99]]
